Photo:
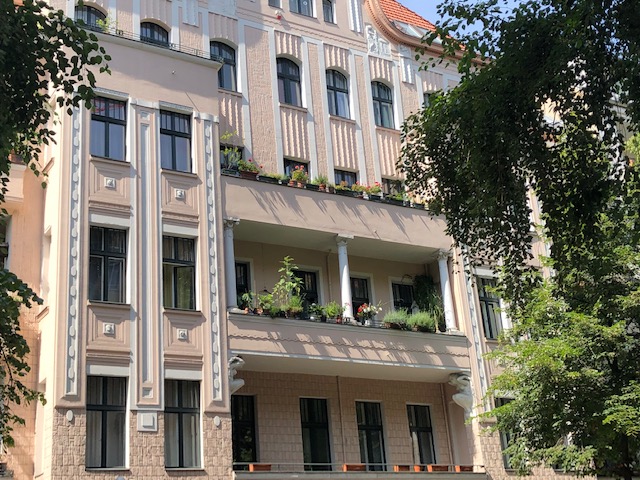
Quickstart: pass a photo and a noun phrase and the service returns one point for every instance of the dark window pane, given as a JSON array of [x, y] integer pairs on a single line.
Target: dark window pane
[[107, 264], [98, 146], [183, 154], [106, 422], [115, 277], [243, 430], [166, 151], [116, 141]]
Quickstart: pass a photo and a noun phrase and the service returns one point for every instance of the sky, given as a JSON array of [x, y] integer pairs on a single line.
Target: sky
[[425, 8]]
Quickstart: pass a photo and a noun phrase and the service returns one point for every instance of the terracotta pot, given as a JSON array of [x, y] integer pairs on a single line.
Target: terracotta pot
[[464, 468], [354, 467], [259, 467], [401, 468]]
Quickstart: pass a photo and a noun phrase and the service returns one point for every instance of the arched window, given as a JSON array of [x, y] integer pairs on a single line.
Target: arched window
[[227, 73], [90, 16], [153, 33], [327, 10], [289, 82], [382, 104], [338, 93]]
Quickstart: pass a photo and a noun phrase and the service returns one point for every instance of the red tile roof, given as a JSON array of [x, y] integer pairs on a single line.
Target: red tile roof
[[395, 11]]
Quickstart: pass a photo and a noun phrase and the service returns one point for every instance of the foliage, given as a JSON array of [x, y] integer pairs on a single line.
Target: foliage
[[295, 305], [248, 166], [428, 299], [247, 300], [43, 62], [399, 317], [317, 310], [544, 119], [368, 311], [287, 286], [299, 174], [633, 146], [334, 309], [422, 321], [320, 180]]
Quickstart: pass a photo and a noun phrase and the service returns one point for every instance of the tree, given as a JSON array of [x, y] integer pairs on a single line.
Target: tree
[[43, 60], [549, 91]]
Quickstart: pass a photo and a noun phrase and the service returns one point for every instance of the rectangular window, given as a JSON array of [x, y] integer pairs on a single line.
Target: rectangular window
[[229, 156], [391, 186], [315, 434], [327, 10], [303, 7], [489, 308], [421, 432], [290, 166], [275, 3], [179, 273], [309, 289], [243, 282], [108, 124], [175, 141], [505, 437], [106, 422], [4, 243], [181, 424], [402, 296], [359, 293], [342, 177], [107, 264], [243, 431], [369, 419]]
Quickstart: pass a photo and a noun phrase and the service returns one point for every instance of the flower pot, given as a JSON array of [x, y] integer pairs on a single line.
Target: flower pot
[[464, 468], [354, 467], [291, 183], [259, 467], [265, 179], [248, 175], [393, 326], [311, 186], [402, 468], [322, 187], [437, 468], [300, 184]]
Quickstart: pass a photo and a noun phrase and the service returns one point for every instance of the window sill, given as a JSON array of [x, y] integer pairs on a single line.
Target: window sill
[[184, 469], [388, 129], [108, 469], [99, 303], [294, 107], [342, 119], [178, 172], [110, 160], [182, 311], [303, 15]]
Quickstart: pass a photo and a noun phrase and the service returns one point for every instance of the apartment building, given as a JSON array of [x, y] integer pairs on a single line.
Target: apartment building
[[149, 235]]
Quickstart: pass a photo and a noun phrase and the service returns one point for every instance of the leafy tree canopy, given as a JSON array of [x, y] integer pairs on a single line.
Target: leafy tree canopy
[[550, 91], [43, 59]]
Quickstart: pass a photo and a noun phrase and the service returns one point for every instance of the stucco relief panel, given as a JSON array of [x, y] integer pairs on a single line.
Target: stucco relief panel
[[381, 69], [336, 57], [389, 149], [183, 337], [179, 194], [231, 115], [190, 35], [110, 182], [431, 81], [295, 136], [156, 9], [108, 329], [287, 44], [221, 26], [345, 147]]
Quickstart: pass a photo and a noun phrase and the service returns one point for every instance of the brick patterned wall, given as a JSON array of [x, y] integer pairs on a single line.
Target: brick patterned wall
[[146, 451], [278, 415]]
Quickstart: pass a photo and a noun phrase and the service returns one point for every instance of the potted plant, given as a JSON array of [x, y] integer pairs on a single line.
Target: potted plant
[[299, 175], [422, 322], [396, 319], [265, 303], [427, 297], [366, 312], [248, 169], [295, 306], [395, 199], [287, 286], [269, 177], [344, 189], [375, 192], [246, 302], [334, 310], [321, 181], [317, 313]]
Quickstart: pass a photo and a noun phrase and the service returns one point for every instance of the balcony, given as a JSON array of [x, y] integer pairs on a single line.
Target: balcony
[[297, 346]]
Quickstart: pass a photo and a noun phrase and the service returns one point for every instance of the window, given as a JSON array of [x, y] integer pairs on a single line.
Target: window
[[108, 123], [338, 94], [391, 186], [382, 105], [91, 18], [106, 422], [181, 424], [275, 3], [402, 296], [303, 7], [359, 293], [243, 284], [315, 434], [369, 419], [505, 437], [178, 272], [175, 141], [229, 156], [290, 166], [152, 33], [107, 264], [327, 10], [4, 243], [243, 431], [342, 177], [489, 306], [428, 97], [421, 432], [289, 82], [309, 289], [227, 73]]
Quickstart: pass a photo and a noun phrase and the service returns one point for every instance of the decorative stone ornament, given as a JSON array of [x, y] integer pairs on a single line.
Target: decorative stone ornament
[[464, 397], [235, 363], [375, 44]]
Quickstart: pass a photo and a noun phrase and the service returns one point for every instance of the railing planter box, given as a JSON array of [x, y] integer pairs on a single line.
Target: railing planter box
[[248, 175], [231, 172], [437, 468], [347, 193], [402, 468], [464, 468], [354, 467], [311, 186], [259, 467], [393, 201], [266, 179]]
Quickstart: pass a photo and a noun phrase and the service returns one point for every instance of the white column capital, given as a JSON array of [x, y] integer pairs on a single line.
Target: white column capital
[[342, 239], [230, 222], [444, 255]]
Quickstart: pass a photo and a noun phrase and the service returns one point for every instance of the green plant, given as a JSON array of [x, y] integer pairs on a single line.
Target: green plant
[[317, 310], [427, 297], [396, 196], [398, 317], [334, 309], [247, 300], [248, 166], [296, 305], [320, 180], [288, 284], [299, 174], [423, 321], [265, 302], [343, 186]]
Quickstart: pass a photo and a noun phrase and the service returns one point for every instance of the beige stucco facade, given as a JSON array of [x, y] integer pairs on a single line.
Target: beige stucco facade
[[230, 219]]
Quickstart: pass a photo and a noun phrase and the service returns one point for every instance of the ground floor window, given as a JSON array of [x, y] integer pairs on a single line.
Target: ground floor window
[[421, 434], [182, 424], [315, 434], [106, 422], [369, 417], [243, 431]]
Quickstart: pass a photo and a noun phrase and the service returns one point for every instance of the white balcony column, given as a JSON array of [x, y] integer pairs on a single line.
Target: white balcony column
[[445, 286], [230, 263], [345, 276]]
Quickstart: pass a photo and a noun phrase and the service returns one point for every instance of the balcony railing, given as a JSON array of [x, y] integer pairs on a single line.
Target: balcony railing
[[380, 198]]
